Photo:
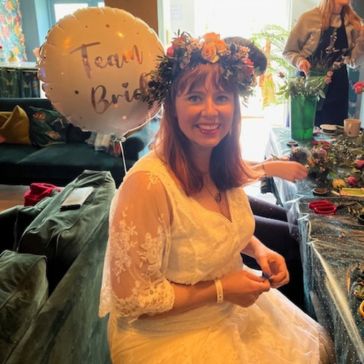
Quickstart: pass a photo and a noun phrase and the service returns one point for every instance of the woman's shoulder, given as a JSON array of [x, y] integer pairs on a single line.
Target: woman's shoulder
[[311, 16], [149, 163], [312, 12], [152, 168]]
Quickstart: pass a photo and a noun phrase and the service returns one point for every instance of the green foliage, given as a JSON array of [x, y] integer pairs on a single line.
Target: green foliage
[[303, 86], [277, 37]]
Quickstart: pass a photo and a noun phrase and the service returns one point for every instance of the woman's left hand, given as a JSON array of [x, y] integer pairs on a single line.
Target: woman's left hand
[[274, 266]]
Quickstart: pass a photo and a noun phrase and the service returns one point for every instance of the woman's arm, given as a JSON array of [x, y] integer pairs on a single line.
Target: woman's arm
[[134, 282], [357, 54], [303, 38], [285, 169]]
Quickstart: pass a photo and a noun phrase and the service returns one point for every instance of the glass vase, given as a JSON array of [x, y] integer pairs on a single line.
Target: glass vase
[[303, 112]]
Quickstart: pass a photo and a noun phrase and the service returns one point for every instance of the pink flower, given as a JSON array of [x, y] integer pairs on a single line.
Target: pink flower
[[170, 51], [358, 87], [359, 164], [352, 181]]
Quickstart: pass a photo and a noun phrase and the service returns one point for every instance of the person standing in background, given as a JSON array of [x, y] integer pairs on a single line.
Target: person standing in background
[[330, 36]]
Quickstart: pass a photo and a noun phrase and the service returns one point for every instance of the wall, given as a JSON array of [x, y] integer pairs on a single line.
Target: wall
[[11, 32], [143, 9], [35, 24]]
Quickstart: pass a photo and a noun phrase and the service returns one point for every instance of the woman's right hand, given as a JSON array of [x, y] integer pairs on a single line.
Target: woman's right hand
[[243, 288], [285, 169], [304, 66]]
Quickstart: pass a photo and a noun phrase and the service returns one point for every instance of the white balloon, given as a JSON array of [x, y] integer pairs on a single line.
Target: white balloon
[[94, 65]]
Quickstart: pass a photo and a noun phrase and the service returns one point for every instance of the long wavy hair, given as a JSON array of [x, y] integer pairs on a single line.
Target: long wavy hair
[[227, 168], [327, 8]]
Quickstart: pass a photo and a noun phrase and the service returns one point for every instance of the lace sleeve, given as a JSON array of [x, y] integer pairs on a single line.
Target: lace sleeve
[[138, 247]]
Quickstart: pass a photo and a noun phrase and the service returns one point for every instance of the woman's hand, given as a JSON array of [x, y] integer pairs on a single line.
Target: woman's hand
[[243, 288], [304, 66], [274, 266], [289, 170]]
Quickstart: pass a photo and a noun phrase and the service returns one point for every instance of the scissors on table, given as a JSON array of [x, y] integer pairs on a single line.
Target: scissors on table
[[326, 207], [323, 207]]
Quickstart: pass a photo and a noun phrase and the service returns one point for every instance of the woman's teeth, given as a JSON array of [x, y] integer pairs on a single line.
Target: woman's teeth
[[209, 127]]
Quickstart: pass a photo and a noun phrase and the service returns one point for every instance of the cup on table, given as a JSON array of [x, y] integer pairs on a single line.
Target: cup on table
[[352, 127]]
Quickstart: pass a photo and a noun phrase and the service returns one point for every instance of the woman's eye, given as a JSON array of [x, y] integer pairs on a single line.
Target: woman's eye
[[222, 99], [194, 98]]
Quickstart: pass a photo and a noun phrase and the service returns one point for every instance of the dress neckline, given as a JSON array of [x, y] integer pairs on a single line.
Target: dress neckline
[[227, 193]]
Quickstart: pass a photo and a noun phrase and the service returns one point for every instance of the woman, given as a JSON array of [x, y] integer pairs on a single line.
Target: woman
[[173, 281], [327, 38]]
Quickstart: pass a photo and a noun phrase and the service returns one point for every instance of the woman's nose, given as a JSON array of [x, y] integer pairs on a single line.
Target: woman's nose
[[209, 107]]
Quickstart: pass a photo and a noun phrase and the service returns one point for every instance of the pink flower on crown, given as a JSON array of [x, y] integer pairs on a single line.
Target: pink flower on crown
[[170, 51]]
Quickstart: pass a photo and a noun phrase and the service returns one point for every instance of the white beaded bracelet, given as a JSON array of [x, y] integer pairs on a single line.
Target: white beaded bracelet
[[219, 291]]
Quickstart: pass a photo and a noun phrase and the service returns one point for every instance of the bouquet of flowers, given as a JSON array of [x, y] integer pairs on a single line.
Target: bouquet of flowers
[[311, 86], [336, 165]]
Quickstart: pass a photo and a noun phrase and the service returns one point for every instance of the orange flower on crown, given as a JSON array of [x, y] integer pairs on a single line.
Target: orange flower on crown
[[211, 37], [186, 51], [214, 39], [209, 52]]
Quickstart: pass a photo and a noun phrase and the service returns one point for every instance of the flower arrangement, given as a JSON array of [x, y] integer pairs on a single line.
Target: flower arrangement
[[311, 86], [320, 75], [186, 51], [337, 165]]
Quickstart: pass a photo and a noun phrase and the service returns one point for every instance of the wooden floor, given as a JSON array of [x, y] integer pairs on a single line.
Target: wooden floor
[[11, 196]]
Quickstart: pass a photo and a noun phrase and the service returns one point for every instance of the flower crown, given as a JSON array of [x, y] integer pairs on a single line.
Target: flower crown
[[187, 51]]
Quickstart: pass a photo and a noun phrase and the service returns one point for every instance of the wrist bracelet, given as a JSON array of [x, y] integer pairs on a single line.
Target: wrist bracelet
[[219, 291]]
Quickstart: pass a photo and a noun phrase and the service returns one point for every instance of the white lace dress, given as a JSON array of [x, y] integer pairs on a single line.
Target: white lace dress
[[159, 235]]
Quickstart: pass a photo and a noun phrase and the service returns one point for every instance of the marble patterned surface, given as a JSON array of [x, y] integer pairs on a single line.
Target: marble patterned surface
[[331, 247]]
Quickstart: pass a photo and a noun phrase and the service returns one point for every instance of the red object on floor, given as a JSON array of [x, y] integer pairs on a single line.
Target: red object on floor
[[37, 191]]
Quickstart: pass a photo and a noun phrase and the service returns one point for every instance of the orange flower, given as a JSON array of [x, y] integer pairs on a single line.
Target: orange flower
[[221, 47], [209, 53], [211, 37]]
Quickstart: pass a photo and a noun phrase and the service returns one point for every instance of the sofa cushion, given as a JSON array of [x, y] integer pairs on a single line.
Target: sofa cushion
[[14, 126], [61, 235], [47, 127], [23, 291], [7, 227], [65, 162]]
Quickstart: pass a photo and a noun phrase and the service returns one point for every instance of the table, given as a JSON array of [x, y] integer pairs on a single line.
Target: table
[[331, 247]]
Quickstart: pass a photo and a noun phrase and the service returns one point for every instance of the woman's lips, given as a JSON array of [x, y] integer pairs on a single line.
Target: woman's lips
[[208, 128]]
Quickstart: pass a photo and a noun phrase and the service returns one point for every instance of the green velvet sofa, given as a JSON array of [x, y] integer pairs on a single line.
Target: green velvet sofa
[[51, 263], [59, 163]]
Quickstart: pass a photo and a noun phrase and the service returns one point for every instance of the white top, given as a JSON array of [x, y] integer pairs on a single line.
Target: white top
[[157, 235]]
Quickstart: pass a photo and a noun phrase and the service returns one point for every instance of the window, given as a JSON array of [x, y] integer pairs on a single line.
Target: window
[[60, 8], [228, 18]]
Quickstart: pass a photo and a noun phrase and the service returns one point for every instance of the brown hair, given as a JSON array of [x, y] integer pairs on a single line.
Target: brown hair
[[327, 8], [227, 169]]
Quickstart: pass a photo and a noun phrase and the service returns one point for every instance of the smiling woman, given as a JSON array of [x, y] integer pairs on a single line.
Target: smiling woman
[[173, 281]]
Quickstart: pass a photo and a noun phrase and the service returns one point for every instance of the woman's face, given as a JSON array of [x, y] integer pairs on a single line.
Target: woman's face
[[205, 113]]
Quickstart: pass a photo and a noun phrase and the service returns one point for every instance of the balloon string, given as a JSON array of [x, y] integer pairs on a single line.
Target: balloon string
[[122, 153]]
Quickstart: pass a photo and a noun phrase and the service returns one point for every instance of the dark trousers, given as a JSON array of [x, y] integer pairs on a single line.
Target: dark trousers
[[272, 228]]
